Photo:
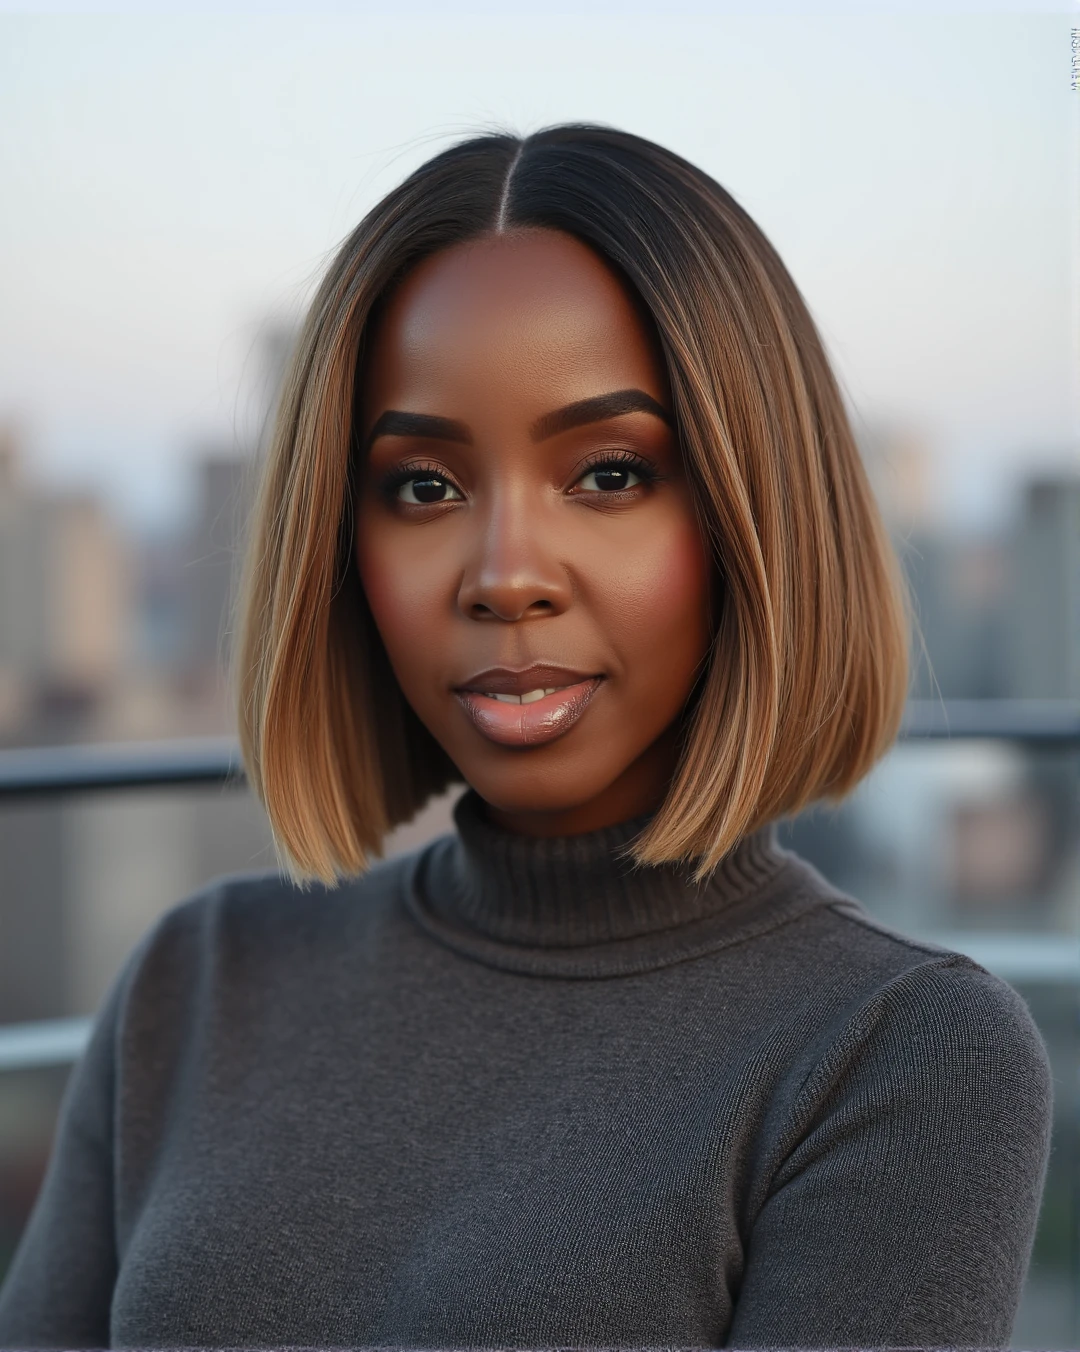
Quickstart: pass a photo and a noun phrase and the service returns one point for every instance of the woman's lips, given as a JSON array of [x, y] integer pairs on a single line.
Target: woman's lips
[[531, 724]]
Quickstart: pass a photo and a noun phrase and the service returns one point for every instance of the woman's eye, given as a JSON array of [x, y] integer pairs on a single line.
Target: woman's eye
[[611, 478], [422, 489]]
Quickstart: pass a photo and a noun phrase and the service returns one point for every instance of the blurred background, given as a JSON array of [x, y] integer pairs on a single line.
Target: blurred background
[[173, 187]]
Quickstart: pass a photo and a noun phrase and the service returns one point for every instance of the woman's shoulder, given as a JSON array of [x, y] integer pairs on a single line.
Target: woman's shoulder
[[257, 925], [891, 996], [270, 896]]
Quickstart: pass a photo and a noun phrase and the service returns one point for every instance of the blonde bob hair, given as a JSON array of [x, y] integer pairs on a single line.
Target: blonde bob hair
[[807, 677]]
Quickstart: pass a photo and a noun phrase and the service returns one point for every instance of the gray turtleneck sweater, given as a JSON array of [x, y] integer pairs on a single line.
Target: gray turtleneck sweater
[[503, 1092]]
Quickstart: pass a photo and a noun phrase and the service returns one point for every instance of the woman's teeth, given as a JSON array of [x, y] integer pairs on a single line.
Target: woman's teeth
[[528, 697]]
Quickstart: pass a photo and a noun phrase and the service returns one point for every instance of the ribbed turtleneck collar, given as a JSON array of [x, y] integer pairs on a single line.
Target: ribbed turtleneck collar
[[570, 905]]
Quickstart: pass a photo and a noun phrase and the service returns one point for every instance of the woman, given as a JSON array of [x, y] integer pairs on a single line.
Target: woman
[[563, 504]]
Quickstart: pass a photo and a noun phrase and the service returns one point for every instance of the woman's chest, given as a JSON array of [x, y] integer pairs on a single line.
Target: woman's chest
[[441, 1203]]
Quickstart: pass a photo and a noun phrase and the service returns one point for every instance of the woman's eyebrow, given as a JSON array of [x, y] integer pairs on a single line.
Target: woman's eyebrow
[[396, 423], [595, 409]]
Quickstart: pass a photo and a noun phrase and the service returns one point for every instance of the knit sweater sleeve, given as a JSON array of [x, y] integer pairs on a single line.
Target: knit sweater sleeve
[[905, 1214]]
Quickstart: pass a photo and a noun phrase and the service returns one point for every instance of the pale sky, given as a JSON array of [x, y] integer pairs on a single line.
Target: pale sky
[[169, 182]]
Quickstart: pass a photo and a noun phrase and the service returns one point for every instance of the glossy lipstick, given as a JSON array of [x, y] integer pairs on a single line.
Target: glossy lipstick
[[541, 720]]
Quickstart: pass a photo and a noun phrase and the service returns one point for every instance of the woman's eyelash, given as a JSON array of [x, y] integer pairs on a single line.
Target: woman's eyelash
[[622, 459], [645, 469], [414, 470]]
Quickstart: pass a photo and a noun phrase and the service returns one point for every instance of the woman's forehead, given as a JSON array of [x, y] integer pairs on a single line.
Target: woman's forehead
[[528, 308]]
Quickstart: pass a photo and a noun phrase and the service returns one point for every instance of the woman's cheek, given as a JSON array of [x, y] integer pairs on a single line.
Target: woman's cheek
[[689, 570], [667, 599], [387, 585], [404, 599]]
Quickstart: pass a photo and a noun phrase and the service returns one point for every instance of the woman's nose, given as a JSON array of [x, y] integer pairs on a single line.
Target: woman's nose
[[512, 569]]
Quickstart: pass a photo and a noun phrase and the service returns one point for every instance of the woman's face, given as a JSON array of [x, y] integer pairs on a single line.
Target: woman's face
[[522, 504]]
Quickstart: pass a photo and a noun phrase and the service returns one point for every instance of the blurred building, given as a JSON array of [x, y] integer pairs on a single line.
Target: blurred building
[[112, 636], [958, 582], [109, 638], [65, 606], [900, 466], [969, 835], [15, 615], [1041, 603]]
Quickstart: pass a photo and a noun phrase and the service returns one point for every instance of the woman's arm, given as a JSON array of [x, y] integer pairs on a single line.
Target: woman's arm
[[58, 1290], [906, 1214]]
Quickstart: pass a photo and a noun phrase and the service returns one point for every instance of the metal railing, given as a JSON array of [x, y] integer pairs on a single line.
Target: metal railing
[[35, 772], [53, 772]]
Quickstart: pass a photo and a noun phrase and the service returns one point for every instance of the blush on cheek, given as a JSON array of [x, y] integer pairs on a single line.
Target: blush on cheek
[[688, 561], [674, 603], [674, 624], [685, 584]]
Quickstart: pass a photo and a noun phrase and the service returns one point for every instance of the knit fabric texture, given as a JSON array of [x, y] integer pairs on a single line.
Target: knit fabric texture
[[515, 1092]]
